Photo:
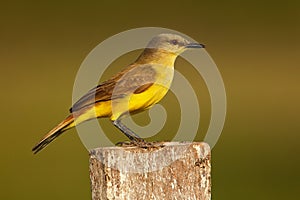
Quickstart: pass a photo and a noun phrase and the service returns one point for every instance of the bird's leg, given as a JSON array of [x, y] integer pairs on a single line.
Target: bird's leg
[[129, 133], [135, 139]]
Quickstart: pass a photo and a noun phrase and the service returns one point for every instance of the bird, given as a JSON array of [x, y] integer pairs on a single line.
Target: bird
[[134, 89]]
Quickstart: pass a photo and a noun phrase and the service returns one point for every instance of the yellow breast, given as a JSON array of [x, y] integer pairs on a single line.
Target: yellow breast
[[149, 97]]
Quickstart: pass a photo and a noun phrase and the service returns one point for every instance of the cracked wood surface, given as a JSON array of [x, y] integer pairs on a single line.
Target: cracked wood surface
[[174, 171]]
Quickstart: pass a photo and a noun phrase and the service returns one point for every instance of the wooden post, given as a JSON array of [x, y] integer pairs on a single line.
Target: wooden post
[[175, 171]]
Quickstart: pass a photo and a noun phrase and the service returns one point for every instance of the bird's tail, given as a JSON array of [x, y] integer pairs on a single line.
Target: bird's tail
[[54, 133]]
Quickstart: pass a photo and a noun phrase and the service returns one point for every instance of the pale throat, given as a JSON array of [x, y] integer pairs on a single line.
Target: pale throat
[[159, 57], [167, 60]]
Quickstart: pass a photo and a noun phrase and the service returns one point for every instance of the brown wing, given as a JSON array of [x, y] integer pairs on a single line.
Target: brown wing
[[142, 88], [133, 79]]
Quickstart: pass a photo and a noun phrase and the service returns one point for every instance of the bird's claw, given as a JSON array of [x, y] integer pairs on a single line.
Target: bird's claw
[[141, 144]]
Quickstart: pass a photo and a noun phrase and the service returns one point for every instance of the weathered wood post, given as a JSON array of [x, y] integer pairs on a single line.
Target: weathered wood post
[[174, 171]]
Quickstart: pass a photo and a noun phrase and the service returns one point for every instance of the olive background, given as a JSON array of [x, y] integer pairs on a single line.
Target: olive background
[[255, 44]]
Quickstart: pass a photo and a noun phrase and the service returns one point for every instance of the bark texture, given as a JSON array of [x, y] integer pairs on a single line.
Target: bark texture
[[171, 170]]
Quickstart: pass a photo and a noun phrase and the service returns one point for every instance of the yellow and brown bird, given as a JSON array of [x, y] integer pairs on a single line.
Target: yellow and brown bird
[[136, 88]]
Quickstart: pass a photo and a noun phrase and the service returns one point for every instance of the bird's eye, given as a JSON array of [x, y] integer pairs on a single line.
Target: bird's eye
[[174, 42]]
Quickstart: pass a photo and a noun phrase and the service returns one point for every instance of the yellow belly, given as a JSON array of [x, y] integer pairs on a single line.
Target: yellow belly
[[133, 102], [138, 102], [146, 99]]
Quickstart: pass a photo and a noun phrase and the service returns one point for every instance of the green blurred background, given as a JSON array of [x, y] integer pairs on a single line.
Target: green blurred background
[[255, 44]]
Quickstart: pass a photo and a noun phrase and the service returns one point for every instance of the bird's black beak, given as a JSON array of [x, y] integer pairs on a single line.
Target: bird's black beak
[[194, 45]]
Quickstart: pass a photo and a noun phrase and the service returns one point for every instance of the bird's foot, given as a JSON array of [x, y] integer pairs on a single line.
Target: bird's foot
[[141, 144]]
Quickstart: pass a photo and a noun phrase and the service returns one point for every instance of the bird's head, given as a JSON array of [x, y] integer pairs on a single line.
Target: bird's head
[[172, 43]]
